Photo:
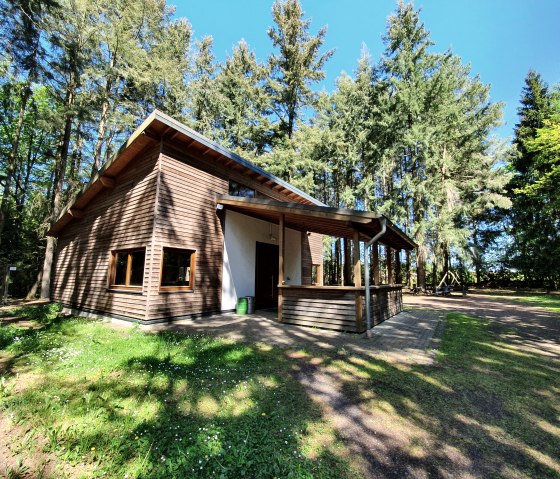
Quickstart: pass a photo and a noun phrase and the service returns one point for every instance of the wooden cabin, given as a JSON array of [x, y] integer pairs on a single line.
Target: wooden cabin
[[176, 226]]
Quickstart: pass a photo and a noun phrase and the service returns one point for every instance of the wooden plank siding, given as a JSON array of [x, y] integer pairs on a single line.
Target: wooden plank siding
[[186, 217], [311, 253], [164, 198], [118, 218], [386, 301], [335, 307]]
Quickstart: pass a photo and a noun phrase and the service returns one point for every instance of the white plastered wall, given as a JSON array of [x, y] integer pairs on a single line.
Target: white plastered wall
[[241, 234]]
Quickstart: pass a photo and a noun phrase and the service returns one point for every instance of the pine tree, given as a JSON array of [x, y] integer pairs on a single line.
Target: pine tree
[[243, 122], [296, 66], [141, 63], [204, 101], [406, 72], [21, 39], [72, 37], [438, 120], [534, 217]]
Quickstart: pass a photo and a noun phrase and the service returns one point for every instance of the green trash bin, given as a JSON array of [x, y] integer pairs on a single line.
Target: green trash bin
[[241, 306]]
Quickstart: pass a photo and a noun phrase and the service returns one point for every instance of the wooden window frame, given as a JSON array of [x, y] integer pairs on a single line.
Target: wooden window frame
[[239, 184], [171, 289], [113, 270]]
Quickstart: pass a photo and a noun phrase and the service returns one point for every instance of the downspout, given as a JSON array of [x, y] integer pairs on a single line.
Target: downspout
[[373, 240]]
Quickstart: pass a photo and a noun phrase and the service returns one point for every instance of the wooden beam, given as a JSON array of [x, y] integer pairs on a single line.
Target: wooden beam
[[107, 182], [375, 263], [75, 213], [281, 232], [297, 209], [358, 280], [389, 258]]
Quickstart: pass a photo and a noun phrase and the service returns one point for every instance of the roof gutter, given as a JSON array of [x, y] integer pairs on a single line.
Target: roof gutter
[[374, 240]]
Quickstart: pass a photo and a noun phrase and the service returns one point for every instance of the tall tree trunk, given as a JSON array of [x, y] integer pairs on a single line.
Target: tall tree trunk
[[75, 163], [337, 253], [102, 122], [58, 187], [421, 266], [408, 276], [476, 255], [11, 163], [347, 273], [33, 290]]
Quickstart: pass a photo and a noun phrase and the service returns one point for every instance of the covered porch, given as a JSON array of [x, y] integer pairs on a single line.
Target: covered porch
[[352, 308]]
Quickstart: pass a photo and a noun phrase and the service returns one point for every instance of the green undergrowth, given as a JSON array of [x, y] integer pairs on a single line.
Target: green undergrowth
[[489, 407], [122, 403]]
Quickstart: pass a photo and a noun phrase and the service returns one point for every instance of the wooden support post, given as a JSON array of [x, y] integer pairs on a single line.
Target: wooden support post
[[389, 257], [375, 263], [281, 232], [398, 274], [358, 281]]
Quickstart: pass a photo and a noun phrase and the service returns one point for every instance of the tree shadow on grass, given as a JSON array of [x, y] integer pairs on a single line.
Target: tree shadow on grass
[[186, 407], [486, 409]]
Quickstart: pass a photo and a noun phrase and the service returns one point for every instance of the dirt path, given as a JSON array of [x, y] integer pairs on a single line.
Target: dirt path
[[381, 447]]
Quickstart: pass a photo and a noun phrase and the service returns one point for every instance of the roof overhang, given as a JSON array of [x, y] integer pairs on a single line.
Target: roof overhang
[[339, 222], [161, 127]]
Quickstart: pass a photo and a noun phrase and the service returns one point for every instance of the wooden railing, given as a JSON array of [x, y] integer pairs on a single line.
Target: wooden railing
[[340, 308]]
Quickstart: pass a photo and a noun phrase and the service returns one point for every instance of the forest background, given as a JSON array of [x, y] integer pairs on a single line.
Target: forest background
[[409, 134]]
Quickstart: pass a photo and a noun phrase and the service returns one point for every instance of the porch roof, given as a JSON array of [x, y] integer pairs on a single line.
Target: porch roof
[[325, 220]]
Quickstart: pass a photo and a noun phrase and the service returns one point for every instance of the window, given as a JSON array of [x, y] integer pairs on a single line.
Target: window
[[127, 269], [177, 269], [237, 189], [316, 274]]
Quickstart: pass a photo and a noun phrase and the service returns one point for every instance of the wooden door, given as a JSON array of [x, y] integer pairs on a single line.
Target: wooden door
[[266, 276]]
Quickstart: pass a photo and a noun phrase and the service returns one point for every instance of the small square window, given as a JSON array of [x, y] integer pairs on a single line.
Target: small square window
[[127, 269], [238, 189], [177, 269]]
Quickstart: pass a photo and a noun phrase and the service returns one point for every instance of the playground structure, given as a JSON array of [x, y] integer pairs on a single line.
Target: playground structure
[[445, 289], [449, 283]]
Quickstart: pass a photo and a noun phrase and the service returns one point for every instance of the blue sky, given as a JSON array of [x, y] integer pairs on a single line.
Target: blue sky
[[501, 39]]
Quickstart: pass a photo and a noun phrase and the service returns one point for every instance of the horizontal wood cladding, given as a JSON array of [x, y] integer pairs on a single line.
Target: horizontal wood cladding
[[316, 245], [386, 302], [210, 165], [311, 253], [117, 218], [186, 217], [328, 309], [336, 309]]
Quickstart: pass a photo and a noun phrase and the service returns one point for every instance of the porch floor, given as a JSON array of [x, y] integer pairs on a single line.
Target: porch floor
[[408, 337]]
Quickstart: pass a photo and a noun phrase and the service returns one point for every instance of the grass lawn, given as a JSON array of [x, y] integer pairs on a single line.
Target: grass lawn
[[122, 403], [128, 404], [490, 407], [552, 303]]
